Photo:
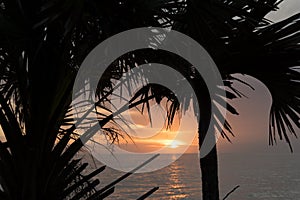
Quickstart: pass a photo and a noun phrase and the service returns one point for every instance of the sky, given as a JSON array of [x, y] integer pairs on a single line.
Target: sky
[[250, 127], [287, 9]]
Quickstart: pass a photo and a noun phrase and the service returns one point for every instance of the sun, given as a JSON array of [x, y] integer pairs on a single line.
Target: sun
[[174, 144]]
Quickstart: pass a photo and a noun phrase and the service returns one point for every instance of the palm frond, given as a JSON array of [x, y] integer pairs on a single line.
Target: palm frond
[[282, 50]]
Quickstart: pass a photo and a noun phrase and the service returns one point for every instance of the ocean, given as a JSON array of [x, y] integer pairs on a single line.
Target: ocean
[[260, 177]]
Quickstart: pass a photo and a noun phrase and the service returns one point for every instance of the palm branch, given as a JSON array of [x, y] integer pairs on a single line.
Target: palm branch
[[38, 35]]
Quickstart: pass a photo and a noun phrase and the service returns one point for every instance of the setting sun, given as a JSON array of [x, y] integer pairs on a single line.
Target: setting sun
[[174, 144]]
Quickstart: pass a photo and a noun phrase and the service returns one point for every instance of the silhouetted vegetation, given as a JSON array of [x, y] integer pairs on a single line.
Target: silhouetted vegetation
[[43, 43]]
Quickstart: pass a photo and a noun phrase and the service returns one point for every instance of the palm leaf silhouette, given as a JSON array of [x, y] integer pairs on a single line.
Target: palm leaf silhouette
[[43, 43]]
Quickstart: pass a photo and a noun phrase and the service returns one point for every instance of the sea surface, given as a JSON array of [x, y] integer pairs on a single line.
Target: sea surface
[[260, 177]]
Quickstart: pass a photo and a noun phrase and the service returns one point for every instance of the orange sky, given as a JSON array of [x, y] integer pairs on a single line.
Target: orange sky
[[149, 138], [250, 127]]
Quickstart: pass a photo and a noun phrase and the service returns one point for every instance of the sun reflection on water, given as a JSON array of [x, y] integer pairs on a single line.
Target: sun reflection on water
[[175, 184]]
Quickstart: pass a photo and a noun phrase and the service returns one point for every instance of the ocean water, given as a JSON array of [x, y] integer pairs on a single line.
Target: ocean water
[[260, 177]]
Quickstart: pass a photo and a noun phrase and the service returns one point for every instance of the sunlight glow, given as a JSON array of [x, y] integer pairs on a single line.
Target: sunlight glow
[[173, 144]]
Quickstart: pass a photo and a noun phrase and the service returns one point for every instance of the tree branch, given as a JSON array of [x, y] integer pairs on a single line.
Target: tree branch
[[227, 195]]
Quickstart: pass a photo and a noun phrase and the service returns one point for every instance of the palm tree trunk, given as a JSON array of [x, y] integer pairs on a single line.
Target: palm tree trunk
[[208, 158], [209, 171]]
